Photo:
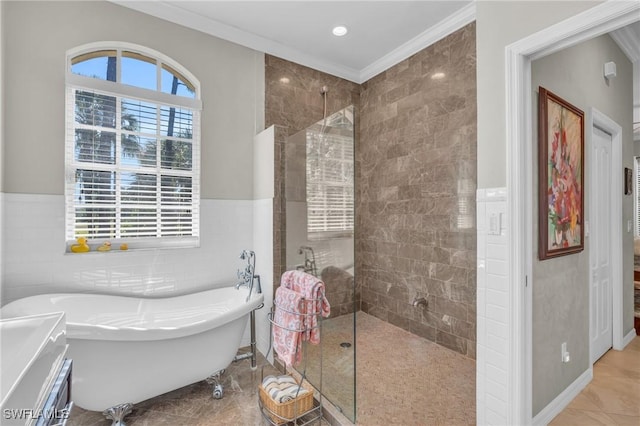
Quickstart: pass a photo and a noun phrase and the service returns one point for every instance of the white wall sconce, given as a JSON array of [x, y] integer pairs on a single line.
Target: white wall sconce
[[609, 70]]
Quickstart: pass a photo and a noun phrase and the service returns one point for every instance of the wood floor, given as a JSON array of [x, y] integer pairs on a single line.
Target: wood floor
[[613, 396]]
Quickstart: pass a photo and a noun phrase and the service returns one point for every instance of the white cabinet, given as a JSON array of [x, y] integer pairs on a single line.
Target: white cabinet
[[35, 375]]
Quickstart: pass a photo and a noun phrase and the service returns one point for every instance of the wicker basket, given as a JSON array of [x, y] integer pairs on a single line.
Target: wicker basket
[[283, 412]]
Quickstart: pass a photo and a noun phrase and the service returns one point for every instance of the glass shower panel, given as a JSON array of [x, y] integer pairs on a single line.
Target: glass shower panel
[[319, 199]]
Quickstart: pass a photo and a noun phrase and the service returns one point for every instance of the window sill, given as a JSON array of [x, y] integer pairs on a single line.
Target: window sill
[[137, 245]]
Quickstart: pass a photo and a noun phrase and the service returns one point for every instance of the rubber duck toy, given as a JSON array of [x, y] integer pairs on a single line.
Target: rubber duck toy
[[124, 247], [81, 247], [105, 247]]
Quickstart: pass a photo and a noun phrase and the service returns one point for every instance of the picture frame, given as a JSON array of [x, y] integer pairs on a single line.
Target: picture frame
[[628, 181], [560, 176]]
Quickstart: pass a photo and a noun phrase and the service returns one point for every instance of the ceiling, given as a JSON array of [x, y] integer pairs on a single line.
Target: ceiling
[[628, 38], [381, 33]]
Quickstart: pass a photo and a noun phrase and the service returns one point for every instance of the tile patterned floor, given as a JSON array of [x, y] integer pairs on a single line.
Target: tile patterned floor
[[338, 382], [613, 396], [194, 405], [402, 379]]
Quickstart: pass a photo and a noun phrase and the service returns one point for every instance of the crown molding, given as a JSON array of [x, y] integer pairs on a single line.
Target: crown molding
[[177, 15], [454, 22]]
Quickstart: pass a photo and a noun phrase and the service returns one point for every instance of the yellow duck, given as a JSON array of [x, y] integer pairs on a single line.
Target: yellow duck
[[105, 247], [81, 247]]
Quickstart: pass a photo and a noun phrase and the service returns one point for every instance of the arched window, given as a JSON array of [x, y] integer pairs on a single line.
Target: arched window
[[132, 157]]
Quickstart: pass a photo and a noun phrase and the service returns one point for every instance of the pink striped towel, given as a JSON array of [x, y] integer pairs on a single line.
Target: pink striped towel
[[289, 317], [310, 287]]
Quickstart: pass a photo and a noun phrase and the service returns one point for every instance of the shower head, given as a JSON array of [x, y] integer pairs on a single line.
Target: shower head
[[323, 92]]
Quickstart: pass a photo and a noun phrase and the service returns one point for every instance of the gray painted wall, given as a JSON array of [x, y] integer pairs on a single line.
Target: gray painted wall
[[498, 24], [231, 76], [561, 285]]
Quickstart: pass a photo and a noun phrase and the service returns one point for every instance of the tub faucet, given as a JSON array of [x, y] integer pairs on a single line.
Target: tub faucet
[[244, 278], [247, 276]]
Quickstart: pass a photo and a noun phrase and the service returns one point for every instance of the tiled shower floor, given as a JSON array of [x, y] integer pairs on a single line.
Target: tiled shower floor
[[402, 379]]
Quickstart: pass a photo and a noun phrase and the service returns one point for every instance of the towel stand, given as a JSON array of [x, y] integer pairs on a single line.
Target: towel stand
[[313, 414]]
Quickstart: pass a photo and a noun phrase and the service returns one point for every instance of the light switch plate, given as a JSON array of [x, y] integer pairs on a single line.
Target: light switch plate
[[495, 223]]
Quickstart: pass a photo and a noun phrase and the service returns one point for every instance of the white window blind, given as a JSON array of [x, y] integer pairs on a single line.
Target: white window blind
[[330, 185], [132, 163]]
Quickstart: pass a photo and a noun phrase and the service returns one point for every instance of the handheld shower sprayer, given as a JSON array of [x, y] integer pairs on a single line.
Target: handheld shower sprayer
[[247, 276], [247, 254], [309, 260]]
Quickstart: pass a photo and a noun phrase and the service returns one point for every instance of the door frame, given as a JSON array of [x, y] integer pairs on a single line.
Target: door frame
[[600, 19], [596, 118]]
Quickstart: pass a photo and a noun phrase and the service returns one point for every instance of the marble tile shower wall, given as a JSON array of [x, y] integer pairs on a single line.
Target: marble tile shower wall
[[333, 257], [293, 102], [33, 259], [415, 198]]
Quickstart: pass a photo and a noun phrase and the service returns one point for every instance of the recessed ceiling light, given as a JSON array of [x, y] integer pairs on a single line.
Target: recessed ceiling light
[[339, 31], [438, 76]]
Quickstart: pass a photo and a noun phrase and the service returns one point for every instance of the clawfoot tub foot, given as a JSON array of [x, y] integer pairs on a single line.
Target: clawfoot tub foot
[[214, 379], [117, 413]]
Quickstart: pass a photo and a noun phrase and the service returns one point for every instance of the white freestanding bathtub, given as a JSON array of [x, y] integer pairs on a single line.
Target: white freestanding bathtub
[[128, 349]]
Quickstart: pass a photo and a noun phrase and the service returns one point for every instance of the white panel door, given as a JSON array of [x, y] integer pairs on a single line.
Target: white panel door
[[600, 245]]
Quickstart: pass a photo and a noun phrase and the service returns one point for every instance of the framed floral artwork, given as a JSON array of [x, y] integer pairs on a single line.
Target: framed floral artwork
[[560, 176]]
